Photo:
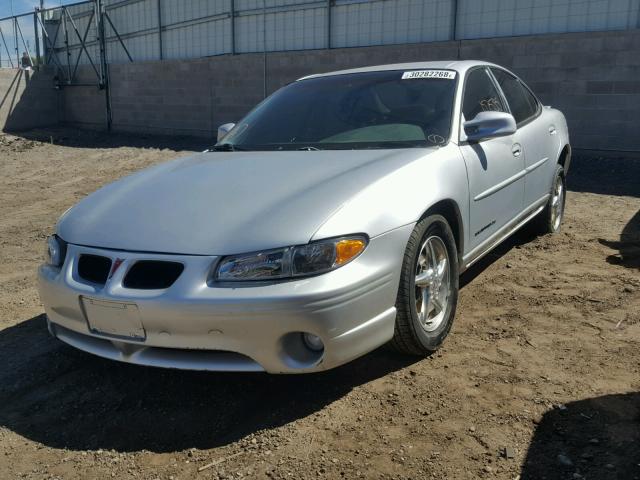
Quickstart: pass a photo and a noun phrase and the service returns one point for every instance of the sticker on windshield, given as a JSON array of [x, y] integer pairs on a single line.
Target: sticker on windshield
[[445, 74]]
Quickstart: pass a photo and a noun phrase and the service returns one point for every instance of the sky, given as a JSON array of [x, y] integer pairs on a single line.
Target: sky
[[24, 6]]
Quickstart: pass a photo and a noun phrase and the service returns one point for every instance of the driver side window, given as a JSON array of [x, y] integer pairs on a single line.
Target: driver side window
[[480, 95]]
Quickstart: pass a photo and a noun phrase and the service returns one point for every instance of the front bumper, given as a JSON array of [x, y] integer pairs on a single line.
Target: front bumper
[[197, 324]]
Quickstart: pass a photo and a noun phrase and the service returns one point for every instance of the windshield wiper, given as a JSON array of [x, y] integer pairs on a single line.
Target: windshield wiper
[[230, 147], [393, 145], [227, 147]]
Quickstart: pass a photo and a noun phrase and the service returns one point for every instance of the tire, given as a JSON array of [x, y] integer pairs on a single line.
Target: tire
[[414, 333], [550, 219]]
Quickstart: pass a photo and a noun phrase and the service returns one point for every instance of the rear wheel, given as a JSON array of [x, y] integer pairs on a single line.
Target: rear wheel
[[550, 219], [428, 291]]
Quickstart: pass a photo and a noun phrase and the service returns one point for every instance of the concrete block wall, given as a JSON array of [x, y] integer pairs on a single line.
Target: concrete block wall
[[592, 77], [184, 97], [84, 105], [27, 100]]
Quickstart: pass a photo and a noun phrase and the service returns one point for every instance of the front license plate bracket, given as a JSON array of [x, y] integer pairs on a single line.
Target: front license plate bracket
[[113, 319]]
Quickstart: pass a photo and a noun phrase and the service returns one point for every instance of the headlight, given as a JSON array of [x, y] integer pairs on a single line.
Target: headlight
[[56, 251], [311, 259]]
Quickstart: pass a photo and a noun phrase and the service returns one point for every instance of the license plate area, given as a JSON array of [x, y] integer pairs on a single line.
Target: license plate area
[[113, 319]]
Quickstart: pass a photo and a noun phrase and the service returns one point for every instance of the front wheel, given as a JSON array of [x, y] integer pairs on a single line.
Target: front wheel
[[428, 291]]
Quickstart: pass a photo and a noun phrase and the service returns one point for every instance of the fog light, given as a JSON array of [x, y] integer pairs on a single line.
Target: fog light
[[313, 342]]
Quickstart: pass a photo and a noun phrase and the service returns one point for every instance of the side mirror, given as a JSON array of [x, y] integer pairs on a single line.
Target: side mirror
[[489, 125], [224, 129]]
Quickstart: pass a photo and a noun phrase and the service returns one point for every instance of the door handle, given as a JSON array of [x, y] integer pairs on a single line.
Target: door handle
[[552, 130], [516, 150]]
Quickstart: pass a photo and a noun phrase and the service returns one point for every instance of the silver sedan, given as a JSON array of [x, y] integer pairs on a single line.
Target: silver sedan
[[334, 218]]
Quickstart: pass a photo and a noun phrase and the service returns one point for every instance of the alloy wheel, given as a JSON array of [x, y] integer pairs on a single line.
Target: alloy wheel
[[432, 283], [557, 203]]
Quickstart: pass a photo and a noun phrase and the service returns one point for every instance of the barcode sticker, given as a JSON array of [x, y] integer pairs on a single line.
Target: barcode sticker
[[445, 74]]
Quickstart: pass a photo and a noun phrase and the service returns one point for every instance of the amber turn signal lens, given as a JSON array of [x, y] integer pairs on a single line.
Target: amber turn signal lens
[[347, 249]]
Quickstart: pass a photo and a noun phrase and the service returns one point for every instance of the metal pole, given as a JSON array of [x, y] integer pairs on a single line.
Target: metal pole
[[454, 21], [44, 48], [103, 61], [233, 27], [37, 37], [15, 37], [160, 29], [264, 48], [66, 43], [96, 7], [328, 24]]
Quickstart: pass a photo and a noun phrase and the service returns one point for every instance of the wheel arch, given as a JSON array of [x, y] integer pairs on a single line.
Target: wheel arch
[[564, 158], [450, 210]]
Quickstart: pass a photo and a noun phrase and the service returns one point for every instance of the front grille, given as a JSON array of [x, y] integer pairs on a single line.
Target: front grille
[[94, 268], [152, 274]]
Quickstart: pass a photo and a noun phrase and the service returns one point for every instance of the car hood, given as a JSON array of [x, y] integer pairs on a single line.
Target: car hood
[[220, 203]]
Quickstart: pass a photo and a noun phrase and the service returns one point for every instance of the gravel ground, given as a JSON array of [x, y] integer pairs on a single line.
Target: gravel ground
[[539, 379]]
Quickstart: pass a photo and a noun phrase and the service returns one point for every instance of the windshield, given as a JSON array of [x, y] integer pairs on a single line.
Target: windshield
[[392, 109]]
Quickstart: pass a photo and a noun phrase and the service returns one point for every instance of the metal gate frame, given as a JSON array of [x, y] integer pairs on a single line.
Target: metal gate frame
[[17, 33], [66, 72], [99, 14]]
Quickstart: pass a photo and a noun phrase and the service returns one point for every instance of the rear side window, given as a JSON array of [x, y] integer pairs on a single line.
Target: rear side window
[[523, 105], [480, 95]]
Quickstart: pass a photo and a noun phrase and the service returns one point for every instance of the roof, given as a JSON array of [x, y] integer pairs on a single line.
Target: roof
[[458, 65]]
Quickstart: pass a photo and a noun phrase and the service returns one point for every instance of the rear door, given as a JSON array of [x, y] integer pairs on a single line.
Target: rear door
[[537, 135], [494, 166]]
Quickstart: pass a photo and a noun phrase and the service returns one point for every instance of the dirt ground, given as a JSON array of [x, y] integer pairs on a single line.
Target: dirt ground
[[540, 378]]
